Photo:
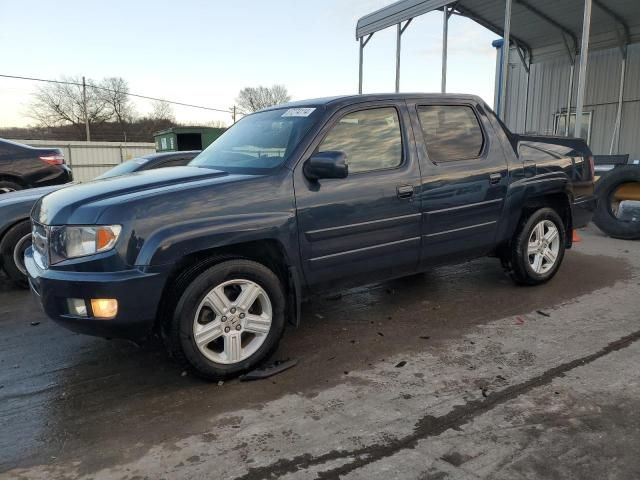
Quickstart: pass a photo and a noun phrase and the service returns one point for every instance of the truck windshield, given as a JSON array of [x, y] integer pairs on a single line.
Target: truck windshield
[[258, 142]]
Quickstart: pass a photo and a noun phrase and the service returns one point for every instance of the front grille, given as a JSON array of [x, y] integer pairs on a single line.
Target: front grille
[[40, 242]]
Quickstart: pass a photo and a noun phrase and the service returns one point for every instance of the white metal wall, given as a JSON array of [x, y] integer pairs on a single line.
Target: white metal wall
[[90, 159], [548, 85]]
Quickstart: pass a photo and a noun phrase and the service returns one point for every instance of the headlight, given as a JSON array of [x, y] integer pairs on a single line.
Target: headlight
[[71, 241]]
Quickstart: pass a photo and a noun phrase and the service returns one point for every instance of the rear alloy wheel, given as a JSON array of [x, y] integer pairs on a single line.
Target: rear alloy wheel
[[537, 249], [228, 320], [543, 248], [12, 248]]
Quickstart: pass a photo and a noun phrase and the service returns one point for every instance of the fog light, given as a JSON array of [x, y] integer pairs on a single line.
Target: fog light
[[104, 307], [77, 307]]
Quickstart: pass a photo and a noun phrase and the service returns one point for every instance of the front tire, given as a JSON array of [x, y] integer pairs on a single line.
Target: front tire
[[12, 248], [228, 320], [537, 249]]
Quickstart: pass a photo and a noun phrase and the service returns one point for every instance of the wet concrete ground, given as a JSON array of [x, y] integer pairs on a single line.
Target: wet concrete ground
[[499, 382]]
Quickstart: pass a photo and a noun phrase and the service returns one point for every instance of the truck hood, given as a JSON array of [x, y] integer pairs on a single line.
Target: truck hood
[[83, 202]]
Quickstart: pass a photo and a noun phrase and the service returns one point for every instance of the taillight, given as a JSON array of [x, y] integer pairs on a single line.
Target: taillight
[[56, 159]]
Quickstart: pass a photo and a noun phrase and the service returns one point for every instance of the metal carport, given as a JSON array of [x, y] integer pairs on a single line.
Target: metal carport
[[534, 29]]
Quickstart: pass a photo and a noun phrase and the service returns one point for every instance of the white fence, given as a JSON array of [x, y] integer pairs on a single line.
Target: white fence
[[90, 159]]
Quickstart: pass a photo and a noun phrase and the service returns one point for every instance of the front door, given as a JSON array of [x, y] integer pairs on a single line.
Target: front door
[[365, 227], [464, 180]]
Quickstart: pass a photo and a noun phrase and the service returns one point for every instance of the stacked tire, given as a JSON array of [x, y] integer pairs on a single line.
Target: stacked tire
[[627, 226]]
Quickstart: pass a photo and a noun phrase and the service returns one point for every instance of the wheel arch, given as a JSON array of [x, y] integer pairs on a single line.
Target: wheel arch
[[269, 252], [560, 201]]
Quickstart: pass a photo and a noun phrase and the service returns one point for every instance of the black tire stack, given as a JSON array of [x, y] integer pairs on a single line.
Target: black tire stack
[[604, 218]]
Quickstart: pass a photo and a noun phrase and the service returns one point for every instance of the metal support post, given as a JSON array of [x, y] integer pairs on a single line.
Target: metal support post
[[398, 40], [445, 35], [615, 137], [569, 95], [363, 43], [584, 54], [505, 59]]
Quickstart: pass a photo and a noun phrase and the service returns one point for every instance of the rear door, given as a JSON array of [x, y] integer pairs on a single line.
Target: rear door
[[464, 180], [364, 227]]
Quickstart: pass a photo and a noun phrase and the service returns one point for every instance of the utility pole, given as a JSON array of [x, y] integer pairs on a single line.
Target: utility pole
[[234, 114], [84, 107]]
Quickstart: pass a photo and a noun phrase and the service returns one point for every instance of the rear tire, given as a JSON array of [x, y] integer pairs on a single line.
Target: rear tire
[[537, 248], [6, 186], [229, 319], [12, 248]]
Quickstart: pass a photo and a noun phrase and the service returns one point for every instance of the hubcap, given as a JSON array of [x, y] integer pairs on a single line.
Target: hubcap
[[18, 253], [232, 321], [543, 248]]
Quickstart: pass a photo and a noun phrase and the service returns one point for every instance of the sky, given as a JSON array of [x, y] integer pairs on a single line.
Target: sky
[[204, 52]]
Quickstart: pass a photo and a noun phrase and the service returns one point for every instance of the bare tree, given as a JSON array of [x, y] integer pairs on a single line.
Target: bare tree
[[161, 110], [114, 91], [57, 104], [252, 99], [217, 124]]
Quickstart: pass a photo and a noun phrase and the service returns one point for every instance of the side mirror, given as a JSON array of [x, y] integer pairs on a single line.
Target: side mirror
[[330, 164]]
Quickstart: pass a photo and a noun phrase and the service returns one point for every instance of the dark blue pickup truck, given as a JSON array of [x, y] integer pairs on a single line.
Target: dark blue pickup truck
[[297, 199]]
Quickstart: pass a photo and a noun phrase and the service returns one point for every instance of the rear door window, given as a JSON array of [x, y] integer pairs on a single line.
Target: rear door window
[[451, 132], [174, 162], [371, 139]]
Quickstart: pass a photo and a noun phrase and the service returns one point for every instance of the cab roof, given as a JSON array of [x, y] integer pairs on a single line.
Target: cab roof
[[343, 100]]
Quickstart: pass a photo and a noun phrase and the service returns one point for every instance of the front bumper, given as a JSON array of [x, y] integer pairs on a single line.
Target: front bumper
[[138, 294], [582, 210]]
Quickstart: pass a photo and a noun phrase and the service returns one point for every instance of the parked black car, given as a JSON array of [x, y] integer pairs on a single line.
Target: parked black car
[[22, 166], [15, 207], [296, 199]]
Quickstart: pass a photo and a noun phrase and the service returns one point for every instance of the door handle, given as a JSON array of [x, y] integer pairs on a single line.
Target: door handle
[[495, 178], [404, 191]]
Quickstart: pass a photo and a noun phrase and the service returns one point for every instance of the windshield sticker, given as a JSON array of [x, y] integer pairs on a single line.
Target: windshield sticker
[[298, 112]]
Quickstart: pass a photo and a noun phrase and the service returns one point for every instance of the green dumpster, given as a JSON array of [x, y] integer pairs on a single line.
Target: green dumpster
[[185, 138]]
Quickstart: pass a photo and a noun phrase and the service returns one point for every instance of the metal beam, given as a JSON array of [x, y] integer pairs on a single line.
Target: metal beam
[[522, 59], [400, 31], [480, 20], [445, 35], [617, 18], [360, 63], [584, 54], [398, 41], [550, 21], [569, 95], [505, 58], [363, 43], [615, 137], [395, 13], [570, 53]]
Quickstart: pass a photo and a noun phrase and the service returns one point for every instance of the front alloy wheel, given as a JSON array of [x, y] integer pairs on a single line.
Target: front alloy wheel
[[232, 321], [228, 319]]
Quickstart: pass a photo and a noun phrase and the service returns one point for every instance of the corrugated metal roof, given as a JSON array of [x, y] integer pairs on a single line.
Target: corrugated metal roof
[[537, 25]]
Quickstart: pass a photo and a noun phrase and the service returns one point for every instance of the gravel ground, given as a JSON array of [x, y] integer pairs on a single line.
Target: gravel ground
[[456, 373]]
